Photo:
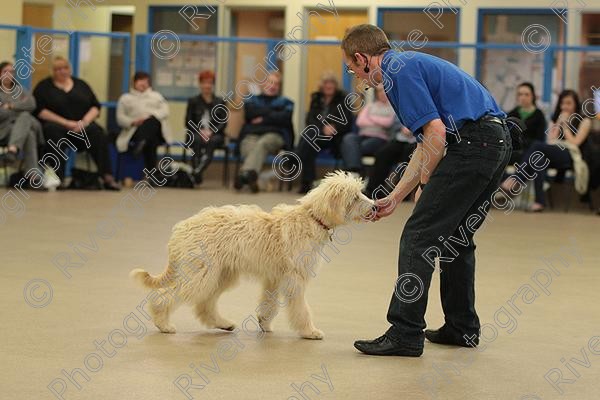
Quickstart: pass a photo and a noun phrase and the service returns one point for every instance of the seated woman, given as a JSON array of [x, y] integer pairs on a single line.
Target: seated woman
[[532, 116], [205, 119], [67, 104], [142, 114], [569, 126], [397, 150], [23, 130], [329, 100], [374, 121]]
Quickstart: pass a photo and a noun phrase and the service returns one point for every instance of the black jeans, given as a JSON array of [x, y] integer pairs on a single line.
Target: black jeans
[[455, 203], [204, 151], [150, 131], [96, 136]]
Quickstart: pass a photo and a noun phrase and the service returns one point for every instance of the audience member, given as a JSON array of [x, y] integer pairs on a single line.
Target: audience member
[[142, 114], [396, 151], [206, 119], [268, 129], [527, 111], [17, 124], [68, 108], [566, 137], [374, 124], [328, 101]]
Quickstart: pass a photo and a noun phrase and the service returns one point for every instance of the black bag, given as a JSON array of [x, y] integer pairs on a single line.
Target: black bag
[[15, 178], [516, 127], [180, 179], [85, 180]]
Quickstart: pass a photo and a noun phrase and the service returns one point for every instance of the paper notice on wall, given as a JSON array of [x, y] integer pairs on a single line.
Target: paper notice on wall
[[183, 79], [60, 45], [85, 50], [164, 77]]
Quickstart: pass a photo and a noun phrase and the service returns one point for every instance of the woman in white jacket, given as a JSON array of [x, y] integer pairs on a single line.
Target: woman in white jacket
[[142, 114]]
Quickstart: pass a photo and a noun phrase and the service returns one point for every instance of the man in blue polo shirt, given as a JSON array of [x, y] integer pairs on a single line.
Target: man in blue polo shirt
[[463, 148]]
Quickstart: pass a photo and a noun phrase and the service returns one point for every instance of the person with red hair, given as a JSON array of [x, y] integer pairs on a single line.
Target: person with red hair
[[206, 119]]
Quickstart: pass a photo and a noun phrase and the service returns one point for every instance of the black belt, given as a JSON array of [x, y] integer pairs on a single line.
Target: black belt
[[453, 138], [491, 118]]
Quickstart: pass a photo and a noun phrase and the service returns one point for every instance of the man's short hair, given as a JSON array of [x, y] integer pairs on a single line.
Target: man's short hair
[[276, 74], [365, 38]]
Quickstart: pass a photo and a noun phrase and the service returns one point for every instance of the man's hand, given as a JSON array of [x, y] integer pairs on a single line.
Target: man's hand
[[385, 207], [257, 120], [418, 193]]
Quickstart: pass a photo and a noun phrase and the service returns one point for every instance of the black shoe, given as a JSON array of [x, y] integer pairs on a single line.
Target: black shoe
[[446, 336], [384, 346], [240, 181], [111, 186], [10, 157], [197, 177], [252, 178]]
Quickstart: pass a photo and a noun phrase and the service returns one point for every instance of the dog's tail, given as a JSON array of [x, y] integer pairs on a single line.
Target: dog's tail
[[153, 282]]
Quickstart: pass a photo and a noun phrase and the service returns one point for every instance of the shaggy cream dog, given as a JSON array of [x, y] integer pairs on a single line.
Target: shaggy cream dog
[[245, 240]]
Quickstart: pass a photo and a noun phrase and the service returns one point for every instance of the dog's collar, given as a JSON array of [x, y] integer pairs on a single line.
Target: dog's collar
[[322, 224]]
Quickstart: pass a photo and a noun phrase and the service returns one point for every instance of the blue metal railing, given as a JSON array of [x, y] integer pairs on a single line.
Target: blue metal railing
[[143, 46], [25, 42]]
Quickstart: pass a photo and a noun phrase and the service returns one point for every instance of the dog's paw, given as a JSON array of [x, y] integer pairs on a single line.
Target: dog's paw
[[265, 325], [315, 334], [227, 327], [168, 328]]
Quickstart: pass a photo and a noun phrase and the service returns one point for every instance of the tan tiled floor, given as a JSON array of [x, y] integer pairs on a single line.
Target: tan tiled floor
[[89, 312]]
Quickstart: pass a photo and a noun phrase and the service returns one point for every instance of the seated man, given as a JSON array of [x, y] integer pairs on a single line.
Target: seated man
[[267, 129]]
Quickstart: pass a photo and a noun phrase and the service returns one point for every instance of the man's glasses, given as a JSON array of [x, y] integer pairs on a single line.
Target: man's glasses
[[349, 71]]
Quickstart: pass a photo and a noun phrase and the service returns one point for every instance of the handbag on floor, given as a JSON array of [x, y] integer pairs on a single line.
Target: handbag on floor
[[85, 180]]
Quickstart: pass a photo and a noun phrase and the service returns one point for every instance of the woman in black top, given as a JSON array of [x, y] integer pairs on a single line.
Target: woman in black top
[[206, 119], [532, 116], [328, 101], [68, 107]]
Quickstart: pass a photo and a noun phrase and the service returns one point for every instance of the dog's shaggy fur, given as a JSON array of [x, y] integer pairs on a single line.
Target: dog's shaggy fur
[[245, 240]]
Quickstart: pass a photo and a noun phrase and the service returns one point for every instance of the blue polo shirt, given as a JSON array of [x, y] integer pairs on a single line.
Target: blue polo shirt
[[422, 87]]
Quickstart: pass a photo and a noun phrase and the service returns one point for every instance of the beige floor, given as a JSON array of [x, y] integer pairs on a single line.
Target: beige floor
[[349, 298]]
